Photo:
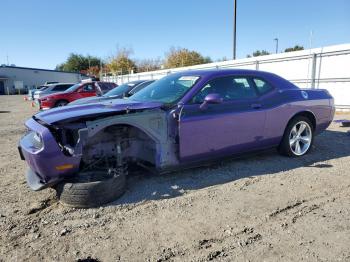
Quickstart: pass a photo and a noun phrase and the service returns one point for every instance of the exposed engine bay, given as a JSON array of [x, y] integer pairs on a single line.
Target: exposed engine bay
[[138, 137]]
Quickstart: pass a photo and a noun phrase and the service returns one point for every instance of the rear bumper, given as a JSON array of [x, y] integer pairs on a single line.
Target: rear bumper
[[46, 162]]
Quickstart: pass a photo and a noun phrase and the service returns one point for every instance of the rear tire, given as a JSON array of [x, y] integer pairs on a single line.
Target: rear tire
[[298, 137], [91, 189]]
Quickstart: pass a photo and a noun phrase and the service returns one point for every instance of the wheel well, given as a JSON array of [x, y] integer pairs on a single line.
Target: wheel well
[[61, 100], [308, 115], [135, 143]]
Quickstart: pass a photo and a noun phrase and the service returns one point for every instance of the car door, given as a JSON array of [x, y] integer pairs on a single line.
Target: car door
[[233, 126]]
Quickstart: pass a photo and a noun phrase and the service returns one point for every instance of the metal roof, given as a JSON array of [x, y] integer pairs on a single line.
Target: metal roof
[[37, 69]]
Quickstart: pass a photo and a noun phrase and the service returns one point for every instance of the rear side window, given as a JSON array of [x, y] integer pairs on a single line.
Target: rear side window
[[61, 87], [262, 86]]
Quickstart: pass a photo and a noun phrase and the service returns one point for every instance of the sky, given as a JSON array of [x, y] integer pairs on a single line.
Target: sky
[[41, 34]]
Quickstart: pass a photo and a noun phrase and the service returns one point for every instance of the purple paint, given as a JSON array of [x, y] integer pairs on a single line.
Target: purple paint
[[181, 132]]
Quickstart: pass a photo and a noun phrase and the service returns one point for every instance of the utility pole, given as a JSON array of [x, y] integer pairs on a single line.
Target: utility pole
[[276, 39], [234, 27], [101, 69]]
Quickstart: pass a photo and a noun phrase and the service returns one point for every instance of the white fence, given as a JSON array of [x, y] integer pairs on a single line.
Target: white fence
[[326, 67]]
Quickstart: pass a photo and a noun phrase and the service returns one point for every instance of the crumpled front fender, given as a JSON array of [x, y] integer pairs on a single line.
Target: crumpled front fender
[[48, 162]]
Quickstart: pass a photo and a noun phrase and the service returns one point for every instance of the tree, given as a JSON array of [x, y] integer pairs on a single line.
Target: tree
[[121, 63], [79, 63], [259, 53], [179, 57], [295, 48], [147, 65], [93, 71]]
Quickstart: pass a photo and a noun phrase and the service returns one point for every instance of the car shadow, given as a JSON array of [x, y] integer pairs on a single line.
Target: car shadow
[[328, 145]]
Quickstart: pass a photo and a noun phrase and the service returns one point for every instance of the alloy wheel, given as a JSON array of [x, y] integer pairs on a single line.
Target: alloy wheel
[[300, 138]]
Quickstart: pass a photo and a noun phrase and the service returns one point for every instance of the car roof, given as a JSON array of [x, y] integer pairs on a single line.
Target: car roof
[[58, 84], [278, 81], [222, 72]]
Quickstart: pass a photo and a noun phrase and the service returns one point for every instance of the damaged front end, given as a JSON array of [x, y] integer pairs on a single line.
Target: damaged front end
[[46, 160], [96, 142]]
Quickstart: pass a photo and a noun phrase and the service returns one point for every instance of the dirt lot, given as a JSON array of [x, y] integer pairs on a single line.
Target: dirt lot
[[262, 208]]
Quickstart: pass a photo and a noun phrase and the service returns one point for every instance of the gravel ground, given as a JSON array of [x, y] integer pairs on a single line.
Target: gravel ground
[[260, 208]]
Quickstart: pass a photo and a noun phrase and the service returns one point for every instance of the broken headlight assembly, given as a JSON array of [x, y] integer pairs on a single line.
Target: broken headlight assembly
[[37, 140]]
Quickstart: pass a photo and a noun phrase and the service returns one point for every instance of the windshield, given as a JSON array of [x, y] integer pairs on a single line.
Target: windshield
[[42, 88], [120, 90], [168, 89], [73, 88], [106, 87]]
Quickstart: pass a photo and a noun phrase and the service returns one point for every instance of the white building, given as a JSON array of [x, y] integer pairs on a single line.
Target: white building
[[14, 80]]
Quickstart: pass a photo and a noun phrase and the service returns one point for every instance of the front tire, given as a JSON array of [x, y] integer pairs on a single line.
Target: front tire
[[297, 138], [91, 189]]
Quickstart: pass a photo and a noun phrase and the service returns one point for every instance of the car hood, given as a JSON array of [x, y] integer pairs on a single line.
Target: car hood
[[92, 99], [39, 92], [70, 113]]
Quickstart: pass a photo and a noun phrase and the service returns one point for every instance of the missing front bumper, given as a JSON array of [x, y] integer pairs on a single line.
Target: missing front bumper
[[35, 182]]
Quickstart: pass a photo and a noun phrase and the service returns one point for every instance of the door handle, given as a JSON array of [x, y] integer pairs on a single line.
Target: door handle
[[256, 106]]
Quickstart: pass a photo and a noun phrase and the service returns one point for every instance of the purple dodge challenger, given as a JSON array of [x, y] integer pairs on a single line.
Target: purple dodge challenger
[[184, 119]]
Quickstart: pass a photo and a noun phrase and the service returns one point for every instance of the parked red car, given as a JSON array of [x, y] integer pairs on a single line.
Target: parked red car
[[77, 91]]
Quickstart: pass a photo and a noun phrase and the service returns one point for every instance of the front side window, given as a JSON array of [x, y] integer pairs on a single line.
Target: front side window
[[262, 86], [229, 88], [167, 90], [73, 88]]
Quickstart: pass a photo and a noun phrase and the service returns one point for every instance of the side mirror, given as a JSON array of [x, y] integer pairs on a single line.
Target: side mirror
[[211, 99]]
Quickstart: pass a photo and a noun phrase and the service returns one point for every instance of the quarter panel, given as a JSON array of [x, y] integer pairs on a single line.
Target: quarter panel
[[278, 117]]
